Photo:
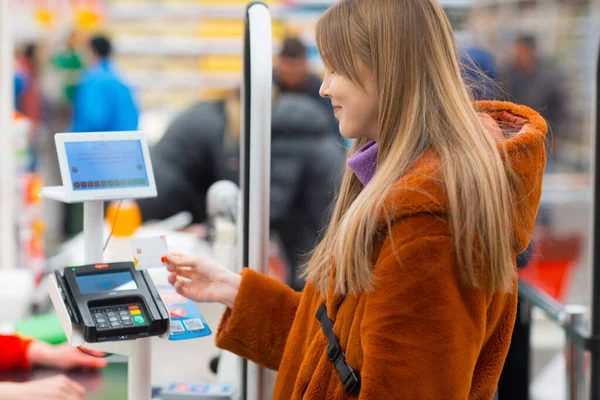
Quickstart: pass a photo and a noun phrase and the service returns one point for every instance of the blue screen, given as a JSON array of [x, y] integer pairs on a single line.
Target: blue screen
[[106, 164], [106, 282]]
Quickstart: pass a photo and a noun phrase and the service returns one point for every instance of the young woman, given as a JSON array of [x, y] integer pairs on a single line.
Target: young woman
[[416, 272]]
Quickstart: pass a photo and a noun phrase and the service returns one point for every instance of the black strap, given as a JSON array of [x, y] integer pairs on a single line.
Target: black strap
[[349, 377]]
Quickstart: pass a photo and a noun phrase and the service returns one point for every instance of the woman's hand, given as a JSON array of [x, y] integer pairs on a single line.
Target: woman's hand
[[55, 388], [62, 357], [202, 280]]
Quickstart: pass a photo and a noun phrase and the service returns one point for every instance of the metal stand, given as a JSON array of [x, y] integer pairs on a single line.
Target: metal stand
[[575, 355], [139, 370], [140, 350], [595, 331], [139, 384], [93, 231]]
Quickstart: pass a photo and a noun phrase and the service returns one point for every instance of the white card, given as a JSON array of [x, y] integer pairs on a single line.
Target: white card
[[149, 252]]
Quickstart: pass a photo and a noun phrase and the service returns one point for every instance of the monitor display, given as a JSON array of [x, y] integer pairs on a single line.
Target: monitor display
[[106, 282], [106, 164]]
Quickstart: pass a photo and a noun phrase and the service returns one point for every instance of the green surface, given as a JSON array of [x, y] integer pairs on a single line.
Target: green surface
[[44, 327], [113, 385], [138, 319]]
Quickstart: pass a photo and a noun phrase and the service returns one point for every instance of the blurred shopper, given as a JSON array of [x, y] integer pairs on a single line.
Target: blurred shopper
[[19, 82], [69, 63], [201, 146], [30, 99], [293, 75], [480, 73], [537, 83], [16, 352], [61, 81], [104, 102]]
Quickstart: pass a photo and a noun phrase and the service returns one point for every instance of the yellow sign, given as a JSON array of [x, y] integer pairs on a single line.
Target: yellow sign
[[45, 18], [87, 19], [221, 63], [234, 28], [227, 2]]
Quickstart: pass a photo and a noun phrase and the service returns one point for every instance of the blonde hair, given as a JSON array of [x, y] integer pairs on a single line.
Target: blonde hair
[[423, 105]]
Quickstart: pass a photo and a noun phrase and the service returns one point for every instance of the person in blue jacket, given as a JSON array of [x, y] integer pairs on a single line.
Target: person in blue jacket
[[104, 102], [480, 73]]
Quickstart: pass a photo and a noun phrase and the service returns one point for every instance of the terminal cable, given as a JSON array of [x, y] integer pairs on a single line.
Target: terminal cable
[[113, 225], [104, 355]]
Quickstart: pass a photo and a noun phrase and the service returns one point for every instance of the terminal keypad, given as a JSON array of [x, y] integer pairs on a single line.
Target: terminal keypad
[[118, 316]]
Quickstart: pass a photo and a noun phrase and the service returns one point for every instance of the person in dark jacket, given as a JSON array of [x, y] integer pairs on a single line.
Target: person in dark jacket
[[293, 75], [201, 146], [538, 83]]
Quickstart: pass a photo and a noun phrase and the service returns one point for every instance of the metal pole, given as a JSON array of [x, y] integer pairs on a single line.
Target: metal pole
[[139, 370], [93, 230], [139, 384], [8, 244], [595, 322], [261, 67], [256, 160], [575, 355]]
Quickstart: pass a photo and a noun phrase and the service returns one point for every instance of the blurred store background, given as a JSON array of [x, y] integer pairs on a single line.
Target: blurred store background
[[173, 54]]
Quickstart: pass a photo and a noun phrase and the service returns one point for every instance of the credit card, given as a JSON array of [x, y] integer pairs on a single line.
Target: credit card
[[149, 252]]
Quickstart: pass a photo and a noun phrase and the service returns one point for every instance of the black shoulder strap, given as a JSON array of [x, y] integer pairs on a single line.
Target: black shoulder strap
[[350, 378]]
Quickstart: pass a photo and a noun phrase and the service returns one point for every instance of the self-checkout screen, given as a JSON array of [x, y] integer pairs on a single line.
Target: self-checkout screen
[[106, 164]]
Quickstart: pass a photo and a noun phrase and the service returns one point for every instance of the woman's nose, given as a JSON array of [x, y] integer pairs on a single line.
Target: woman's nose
[[324, 90]]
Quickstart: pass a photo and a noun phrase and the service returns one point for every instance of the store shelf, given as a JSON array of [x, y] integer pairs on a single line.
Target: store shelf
[[135, 10]]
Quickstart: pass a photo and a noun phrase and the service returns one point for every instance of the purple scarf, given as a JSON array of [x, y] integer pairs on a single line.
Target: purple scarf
[[364, 162]]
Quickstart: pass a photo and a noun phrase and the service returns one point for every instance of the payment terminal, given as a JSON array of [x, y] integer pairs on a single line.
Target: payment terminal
[[113, 302]]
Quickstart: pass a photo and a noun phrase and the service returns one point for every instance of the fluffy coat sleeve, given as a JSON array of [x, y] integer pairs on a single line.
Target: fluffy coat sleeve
[[13, 352], [428, 345], [258, 326]]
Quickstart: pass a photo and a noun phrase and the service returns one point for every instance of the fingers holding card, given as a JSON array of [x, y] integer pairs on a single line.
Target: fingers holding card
[[149, 252]]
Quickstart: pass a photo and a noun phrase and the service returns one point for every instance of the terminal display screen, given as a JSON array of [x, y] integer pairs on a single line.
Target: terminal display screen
[[106, 282], [117, 164]]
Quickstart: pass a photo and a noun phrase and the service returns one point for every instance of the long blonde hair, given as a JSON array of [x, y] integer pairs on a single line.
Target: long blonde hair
[[423, 105]]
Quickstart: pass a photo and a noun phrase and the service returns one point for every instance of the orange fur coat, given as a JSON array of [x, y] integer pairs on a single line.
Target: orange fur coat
[[420, 334]]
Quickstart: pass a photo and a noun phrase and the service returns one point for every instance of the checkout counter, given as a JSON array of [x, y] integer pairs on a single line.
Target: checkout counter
[[172, 362], [104, 302]]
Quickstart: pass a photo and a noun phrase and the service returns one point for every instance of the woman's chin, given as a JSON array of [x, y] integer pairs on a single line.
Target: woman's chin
[[349, 135]]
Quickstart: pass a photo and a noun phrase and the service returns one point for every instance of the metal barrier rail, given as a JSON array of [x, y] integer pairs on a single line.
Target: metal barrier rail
[[572, 319], [595, 318]]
